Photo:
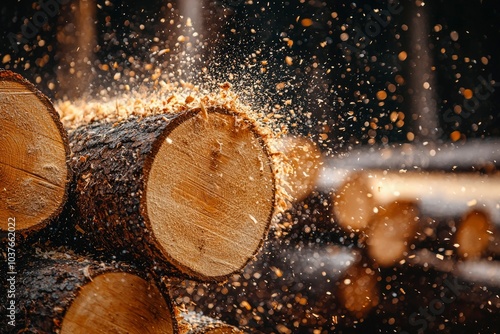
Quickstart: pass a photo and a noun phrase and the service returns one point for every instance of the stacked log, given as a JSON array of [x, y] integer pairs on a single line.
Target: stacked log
[[191, 192], [406, 208], [34, 154], [188, 197], [62, 293], [188, 194], [439, 195]]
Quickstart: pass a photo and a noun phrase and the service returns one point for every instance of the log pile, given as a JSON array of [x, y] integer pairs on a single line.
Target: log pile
[[92, 221], [196, 188], [318, 276], [152, 223], [406, 262], [73, 294], [33, 157]]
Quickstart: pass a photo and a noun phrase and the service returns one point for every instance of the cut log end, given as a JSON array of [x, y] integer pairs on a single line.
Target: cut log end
[[211, 174], [391, 231], [354, 204], [304, 158], [359, 291], [60, 292], [33, 155], [474, 234], [118, 302]]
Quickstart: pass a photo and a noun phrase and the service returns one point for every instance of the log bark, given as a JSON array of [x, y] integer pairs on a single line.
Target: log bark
[[34, 151], [192, 193], [69, 294]]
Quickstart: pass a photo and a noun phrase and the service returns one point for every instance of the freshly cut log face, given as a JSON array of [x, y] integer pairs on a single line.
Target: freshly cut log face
[[474, 234], [391, 231], [79, 295], [118, 303], [354, 203], [305, 160], [194, 190], [34, 175]]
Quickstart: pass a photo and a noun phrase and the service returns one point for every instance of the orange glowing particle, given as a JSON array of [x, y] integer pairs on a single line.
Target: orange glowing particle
[[455, 135], [381, 95], [402, 55], [468, 93], [394, 116], [306, 22]]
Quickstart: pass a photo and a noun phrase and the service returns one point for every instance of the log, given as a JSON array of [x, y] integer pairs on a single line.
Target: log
[[438, 195], [197, 323], [359, 290], [304, 159], [391, 231], [191, 193], [63, 293], [34, 150], [474, 234]]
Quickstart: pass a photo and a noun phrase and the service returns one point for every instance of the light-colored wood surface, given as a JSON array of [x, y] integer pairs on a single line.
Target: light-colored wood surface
[[305, 162], [391, 231], [118, 303], [474, 234], [210, 194], [359, 291], [33, 153], [438, 195]]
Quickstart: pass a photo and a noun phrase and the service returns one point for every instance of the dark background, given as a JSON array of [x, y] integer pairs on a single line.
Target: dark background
[[336, 82], [332, 83]]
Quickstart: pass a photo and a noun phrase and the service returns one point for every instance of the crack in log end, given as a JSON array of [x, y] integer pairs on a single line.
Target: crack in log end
[[202, 189]]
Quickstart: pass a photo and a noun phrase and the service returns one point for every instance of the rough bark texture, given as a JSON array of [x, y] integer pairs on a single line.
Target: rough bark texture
[[34, 155], [109, 162], [47, 286], [112, 162]]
